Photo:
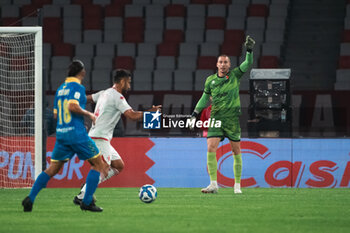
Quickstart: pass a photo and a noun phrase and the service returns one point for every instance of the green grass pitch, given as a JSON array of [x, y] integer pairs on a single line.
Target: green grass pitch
[[181, 210]]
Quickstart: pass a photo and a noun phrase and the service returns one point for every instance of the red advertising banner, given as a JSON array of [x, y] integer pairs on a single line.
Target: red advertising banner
[[133, 152]]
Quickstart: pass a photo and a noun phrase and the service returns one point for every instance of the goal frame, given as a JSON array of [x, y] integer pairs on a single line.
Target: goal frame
[[38, 90]]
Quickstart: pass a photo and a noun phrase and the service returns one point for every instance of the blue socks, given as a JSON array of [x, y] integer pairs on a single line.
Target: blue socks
[[39, 183], [92, 180], [91, 185]]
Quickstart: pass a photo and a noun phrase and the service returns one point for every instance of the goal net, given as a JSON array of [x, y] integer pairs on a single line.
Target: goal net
[[20, 106]]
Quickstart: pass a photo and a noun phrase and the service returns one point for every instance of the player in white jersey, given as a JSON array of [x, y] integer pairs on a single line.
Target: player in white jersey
[[110, 105]]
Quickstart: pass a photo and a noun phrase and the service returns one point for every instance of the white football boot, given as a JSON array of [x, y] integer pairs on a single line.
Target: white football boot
[[212, 188], [237, 188]]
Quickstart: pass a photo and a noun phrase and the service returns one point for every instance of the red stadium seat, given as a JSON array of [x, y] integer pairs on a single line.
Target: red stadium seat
[[52, 30], [231, 49], [234, 36], [52, 23], [115, 10], [206, 63], [133, 36], [29, 10], [64, 49], [258, 10], [168, 49], [134, 23], [206, 2], [121, 2], [226, 2], [81, 2], [40, 3], [92, 24], [215, 23], [176, 36], [92, 11], [52, 37], [344, 62], [92, 17], [346, 36], [268, 62], [175, 10], [124, 62], [10, 21]]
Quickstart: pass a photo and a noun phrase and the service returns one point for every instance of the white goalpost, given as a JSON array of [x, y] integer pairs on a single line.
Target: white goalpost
[[21, 106]]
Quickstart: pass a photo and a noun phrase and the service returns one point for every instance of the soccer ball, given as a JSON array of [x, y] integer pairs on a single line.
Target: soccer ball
[[148, 193]]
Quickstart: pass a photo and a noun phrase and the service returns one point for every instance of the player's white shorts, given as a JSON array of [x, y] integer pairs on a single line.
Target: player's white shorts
[[107, 150]]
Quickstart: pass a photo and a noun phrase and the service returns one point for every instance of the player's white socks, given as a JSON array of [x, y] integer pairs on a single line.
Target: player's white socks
[[111, 172], [214, 183]]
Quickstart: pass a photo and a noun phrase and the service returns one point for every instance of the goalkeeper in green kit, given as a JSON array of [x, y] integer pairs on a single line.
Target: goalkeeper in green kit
[[223, 87]]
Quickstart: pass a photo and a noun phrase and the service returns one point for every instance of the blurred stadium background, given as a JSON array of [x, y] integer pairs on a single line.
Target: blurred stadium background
[[171, 47]]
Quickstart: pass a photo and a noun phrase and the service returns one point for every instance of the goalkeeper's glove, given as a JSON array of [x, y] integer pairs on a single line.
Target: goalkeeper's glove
[[249, 44], [193, 117]]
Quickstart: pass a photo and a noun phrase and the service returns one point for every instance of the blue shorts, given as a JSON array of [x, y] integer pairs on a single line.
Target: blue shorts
[[85, 150]]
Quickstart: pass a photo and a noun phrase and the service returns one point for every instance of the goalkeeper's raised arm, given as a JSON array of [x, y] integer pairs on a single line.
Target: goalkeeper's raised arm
[[224, 64], [248, 62]]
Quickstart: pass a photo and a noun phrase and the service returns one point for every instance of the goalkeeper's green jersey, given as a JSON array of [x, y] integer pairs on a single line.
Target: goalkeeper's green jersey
[[225, 94]]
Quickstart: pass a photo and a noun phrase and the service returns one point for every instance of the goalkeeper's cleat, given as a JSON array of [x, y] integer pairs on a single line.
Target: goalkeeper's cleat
[[210, 189], [237, 188], [92, 207], [27, 204]]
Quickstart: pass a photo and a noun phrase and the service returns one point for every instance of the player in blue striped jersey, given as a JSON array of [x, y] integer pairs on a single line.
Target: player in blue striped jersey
[[72, 138]]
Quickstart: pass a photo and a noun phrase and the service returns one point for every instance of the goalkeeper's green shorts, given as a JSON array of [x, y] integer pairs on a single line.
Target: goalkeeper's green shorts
[[230, 129]]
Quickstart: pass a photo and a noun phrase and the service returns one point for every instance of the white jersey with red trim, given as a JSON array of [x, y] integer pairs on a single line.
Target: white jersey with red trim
[[110, 104]]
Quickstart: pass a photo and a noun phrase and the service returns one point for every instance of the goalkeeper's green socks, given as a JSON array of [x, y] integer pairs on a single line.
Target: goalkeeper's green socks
[[237, 167], [212, 165]]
